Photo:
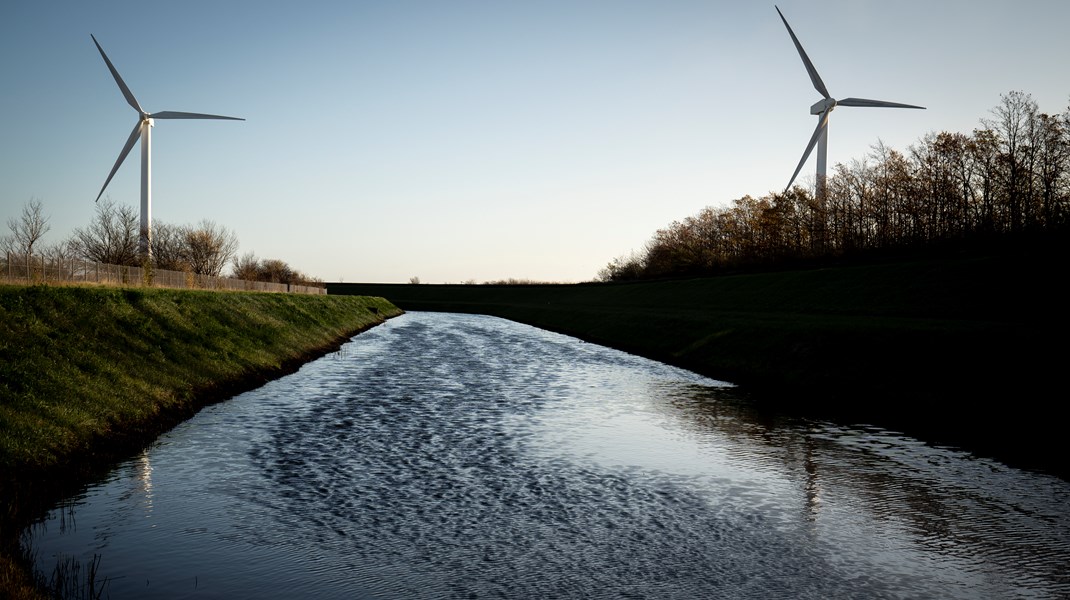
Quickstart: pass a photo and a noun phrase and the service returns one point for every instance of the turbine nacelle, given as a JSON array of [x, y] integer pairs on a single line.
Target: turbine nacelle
[[822, 108], [822, 105], [142, 130]]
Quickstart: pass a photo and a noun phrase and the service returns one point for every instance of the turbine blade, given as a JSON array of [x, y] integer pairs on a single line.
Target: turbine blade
[[814, 77], [874, 103], [822, 123], [130, 141], [170, 114], [122, 85]]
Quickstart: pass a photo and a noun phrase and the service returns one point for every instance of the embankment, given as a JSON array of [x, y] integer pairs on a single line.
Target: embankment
[[88, 375], [961, 350]]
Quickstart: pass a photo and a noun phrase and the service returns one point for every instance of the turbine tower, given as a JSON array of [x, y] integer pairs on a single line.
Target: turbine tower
[[822, 108], [143, 129]]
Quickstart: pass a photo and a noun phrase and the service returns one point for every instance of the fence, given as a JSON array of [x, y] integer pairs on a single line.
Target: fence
[[38, 269]]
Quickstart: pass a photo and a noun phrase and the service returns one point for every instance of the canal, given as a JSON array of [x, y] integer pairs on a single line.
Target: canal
[[463, 456]]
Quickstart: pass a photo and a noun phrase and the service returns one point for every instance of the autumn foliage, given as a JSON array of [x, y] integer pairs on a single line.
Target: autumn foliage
[[1006, 180]]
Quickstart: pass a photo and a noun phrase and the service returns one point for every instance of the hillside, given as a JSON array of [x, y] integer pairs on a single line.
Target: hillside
[[89, 374], [962, 350]]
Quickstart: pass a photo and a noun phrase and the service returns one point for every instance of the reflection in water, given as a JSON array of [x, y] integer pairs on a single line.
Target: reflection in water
[[143, 476], [813, 486], [444, 456]]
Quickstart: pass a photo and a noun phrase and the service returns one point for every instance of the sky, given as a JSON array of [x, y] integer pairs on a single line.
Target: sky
[[478, 140]]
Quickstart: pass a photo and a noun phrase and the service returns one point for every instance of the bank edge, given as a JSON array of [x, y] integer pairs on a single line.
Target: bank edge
[[89, 375], [962, 350]]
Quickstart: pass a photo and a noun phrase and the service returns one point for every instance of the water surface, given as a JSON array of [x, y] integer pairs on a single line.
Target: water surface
[[457, 456]]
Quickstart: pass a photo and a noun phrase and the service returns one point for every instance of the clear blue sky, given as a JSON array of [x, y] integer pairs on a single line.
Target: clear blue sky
[[457, 140]]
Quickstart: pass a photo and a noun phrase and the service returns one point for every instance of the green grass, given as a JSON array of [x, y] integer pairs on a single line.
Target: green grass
[[89, 374], [964, 350], [83, 365]]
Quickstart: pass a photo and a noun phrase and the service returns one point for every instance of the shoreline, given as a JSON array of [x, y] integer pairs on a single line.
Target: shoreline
[[953, 351], [166, 353]]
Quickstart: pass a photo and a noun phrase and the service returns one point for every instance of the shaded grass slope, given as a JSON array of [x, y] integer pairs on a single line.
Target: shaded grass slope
[[82, 365], [89, 374], [965, 350]]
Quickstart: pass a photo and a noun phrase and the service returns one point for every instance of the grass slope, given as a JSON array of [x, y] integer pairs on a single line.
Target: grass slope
[[960, 350], [89, 374]]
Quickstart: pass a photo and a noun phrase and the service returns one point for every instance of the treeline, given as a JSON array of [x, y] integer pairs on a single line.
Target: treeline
[[112, 238], [1009, 178]]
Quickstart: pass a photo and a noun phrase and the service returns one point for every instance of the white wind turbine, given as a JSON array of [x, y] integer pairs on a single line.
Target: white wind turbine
[[143, 128], [822, 108]]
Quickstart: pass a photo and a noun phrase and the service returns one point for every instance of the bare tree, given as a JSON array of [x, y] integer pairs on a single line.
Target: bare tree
[[209, 247], [270, 270], [623, 268], [1014, 121], [1012, 176], [983, 152], [168, 247], [1053, 158], [112, 236], [276, 271], [27, 229], [61, 251], [247, 267]]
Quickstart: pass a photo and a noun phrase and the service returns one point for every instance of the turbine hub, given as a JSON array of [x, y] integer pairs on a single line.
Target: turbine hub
[[822, 105]]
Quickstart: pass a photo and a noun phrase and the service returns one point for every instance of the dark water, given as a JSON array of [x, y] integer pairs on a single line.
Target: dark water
[[442, 456]]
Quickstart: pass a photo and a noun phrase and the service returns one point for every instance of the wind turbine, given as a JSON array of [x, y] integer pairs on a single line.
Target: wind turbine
[[143, 129], [822, 108]]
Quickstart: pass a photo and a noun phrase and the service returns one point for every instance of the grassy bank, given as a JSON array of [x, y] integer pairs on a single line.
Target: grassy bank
[[88, 375], [960, 350]]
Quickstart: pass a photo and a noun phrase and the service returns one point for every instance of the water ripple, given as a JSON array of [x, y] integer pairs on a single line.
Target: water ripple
[[451, 456]]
